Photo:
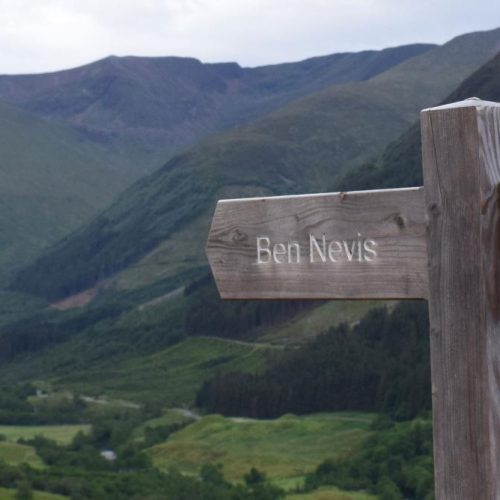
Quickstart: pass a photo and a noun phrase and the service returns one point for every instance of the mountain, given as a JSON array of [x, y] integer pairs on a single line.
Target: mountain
[[144, 109], [157, 228], [51, 181], [72, 140]]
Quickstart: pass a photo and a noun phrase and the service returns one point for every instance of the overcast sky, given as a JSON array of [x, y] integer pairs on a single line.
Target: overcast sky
[[46, 35]]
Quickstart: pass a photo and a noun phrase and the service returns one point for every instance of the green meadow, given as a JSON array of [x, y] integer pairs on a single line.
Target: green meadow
[[331, 494], [10, 494], [16, 454], [285, 448], [61, 434]]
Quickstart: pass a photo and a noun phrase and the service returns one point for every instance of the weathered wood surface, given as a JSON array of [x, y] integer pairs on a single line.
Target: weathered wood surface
[[461, 159], [389, 222]]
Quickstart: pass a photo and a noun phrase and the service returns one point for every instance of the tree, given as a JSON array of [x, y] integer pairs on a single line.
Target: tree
[[387, 490], [24, 491], [255, 476]]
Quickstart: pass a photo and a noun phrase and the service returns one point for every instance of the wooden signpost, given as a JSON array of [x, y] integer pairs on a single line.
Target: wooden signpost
[[440, 242]]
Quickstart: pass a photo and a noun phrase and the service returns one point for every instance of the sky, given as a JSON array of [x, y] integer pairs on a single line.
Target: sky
[[48, 35]]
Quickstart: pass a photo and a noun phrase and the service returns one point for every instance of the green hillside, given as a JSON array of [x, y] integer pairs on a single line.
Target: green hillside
[[170, 377], [300, 148], [50, 183], [400, 165], [149, 349]]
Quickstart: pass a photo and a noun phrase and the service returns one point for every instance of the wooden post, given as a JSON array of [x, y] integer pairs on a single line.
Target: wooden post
[[461, 160]]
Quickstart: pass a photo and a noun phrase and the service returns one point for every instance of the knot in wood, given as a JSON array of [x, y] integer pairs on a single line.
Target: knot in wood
[[400, 222], [434, 209], [239, 235]]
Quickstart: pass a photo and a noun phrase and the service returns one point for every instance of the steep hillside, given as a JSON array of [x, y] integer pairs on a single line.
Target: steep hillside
[[50, 182], [160, 105], [300, 148], [400, 165]]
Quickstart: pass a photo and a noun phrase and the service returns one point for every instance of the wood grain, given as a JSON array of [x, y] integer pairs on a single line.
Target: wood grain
[[394, 219], [461, 160]]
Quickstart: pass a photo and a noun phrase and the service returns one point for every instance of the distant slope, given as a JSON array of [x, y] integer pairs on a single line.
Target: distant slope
[[163, 104], [50, 182], [400, 165], [300, 148]]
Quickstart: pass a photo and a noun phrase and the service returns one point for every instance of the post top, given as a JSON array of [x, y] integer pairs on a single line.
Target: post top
[[475, 102]]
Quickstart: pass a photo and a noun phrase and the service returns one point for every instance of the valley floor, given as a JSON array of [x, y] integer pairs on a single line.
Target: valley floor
[[284, 449]]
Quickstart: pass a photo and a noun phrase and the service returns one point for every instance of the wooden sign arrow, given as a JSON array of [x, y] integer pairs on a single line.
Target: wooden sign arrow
[[355, 245]]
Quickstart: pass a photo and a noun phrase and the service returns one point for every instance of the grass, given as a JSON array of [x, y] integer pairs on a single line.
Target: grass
[[169, 417], [312, 322], [16, 454], [62, 434], [10, 494], [330, 493], [284, 448], [170, 257], [172, 376]]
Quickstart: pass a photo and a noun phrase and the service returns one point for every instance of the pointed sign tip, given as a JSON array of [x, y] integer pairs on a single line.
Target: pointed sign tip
[[471, 102]]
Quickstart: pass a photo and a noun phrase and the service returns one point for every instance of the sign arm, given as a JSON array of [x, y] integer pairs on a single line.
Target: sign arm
[[354, 245]]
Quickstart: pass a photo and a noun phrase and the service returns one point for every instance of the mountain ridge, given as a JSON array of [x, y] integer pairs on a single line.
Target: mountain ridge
[[161, 105]]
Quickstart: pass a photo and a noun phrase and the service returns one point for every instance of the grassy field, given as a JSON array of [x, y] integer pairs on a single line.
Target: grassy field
[[170, 416], [10, 494], [16, 454], [331, 494], [62, 434], [287, 447]]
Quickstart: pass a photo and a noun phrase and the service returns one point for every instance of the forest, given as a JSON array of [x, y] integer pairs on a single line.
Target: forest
[[380, 364]]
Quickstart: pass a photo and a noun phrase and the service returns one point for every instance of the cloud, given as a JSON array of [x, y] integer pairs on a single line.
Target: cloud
[[43, 35]]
